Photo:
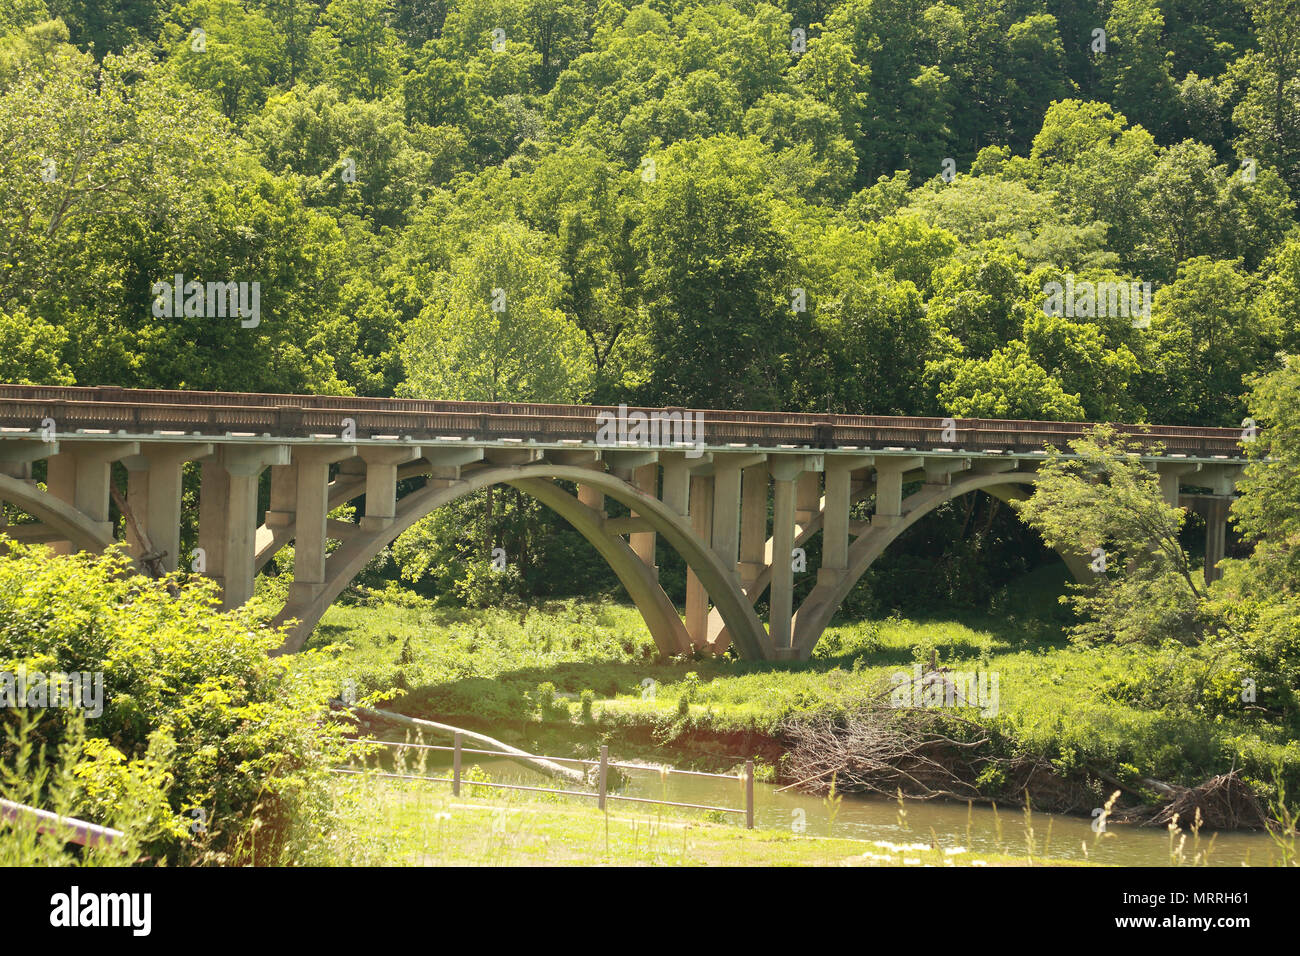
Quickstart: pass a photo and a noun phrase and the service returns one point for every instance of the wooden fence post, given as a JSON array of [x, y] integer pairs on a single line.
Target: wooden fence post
[[455, 768], [604, 773], [749, 794]]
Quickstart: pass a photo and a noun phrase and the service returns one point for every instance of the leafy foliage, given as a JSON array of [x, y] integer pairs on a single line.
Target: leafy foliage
[[195, 715]]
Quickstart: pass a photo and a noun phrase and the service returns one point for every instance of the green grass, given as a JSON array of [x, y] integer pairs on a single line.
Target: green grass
[[521, 674]]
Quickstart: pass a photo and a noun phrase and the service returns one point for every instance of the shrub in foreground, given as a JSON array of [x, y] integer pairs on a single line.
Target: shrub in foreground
[[238, 743]]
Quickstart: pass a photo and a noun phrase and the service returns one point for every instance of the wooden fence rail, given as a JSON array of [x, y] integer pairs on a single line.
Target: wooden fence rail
[[602, 766], [71, 829]]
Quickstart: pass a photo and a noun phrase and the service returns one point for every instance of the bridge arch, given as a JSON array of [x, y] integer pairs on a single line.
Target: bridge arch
[[815, 614], [57, 515], [538, 481], [1010, 487]]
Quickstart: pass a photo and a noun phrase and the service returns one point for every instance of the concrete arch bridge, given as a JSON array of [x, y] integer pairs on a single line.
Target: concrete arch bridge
[[733, 492]]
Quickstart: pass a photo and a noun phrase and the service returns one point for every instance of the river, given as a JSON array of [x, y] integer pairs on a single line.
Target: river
[[981, 829]]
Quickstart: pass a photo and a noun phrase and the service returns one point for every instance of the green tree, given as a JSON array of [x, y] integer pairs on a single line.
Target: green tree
[[1035, 73], [717, 279], [1267, 511], [871, 336], [1279, 301], [1205, 340], [31, 350], [226, 50], [983, 301], [250, 740], [293, 21], [361, 45], [109, 27], [1266, 82], [1191, 207], [358, 155], [1135, 68], [1103, 501], [1080, 356], [1257, 600], [493, 331], [1006, 384]]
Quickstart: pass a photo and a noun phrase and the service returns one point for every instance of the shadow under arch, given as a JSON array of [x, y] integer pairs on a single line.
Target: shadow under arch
[[1013, 487], [537, 481], [84, 534], [819, 606]]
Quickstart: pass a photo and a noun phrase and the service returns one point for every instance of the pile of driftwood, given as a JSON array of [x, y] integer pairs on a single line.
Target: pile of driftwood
[[1225, 802], [934, 753], [881, 749]]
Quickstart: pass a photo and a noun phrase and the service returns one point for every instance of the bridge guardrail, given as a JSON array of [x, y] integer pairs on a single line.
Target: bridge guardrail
[[145, 411]]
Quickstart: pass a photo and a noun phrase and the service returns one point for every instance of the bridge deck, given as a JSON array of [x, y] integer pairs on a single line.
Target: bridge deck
[[145, 412]]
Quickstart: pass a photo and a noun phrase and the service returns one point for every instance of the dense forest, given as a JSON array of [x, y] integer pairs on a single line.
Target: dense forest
[[835, 206]]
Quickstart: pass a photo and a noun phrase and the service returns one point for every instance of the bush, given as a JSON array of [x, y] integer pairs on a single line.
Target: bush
[[244, 741], [690, 693]]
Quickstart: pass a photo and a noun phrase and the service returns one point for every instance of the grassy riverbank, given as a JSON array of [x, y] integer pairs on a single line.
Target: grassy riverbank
[[525, 673], [403, 823]]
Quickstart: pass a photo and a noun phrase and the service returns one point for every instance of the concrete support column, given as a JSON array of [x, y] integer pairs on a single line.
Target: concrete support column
[[381, 483], [835, 523], [309, 527], [228, 515], [781, 600], [239, 539], [1216, 534], [312, 516], [808, 502], [645, 478], [381, 494], [726, 513], [154, 486], [284, 495], [79, 476], [214, 493], [592, 497], [1169, 487], [753, 523], [889, 490], [697, 598], [61, 476], [675, 489]]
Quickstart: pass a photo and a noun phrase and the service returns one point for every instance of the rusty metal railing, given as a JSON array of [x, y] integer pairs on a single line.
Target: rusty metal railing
[[151, 411]]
